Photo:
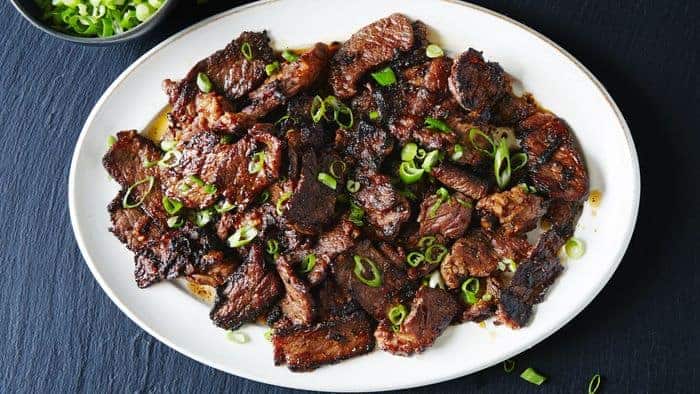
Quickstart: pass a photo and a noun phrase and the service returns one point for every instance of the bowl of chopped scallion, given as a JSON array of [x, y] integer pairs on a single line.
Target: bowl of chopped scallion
[[94, 22]]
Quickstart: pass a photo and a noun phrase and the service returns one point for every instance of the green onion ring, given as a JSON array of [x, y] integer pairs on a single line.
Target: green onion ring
[[594, 384], [574, 248], [170, 159], [278, 205], [268, 335], [203, 83], [385, 76], [437, 124], [533, 377], [343, 110], [415, 258], [374, 115], [435, 280], [432, 51], [289, 56], [509, 366], [166, 145], [125, 201], [242, 236], [172, 206], [426, 241], [473, 133], [420, 154], [327, 180], [353, 186], [430, 160], [223, 206], [375, 280], [273, 247], [202, 218], [272, 68], [430, 255], [397, 315], [518, 161], [175, 222], [308, 263], [337, 173], [318, 109], [257, 162], [356, 214], [408, 172], [457, 153], [237, 337], [502, 171], [408, 152], [247, 51], [470, 288]]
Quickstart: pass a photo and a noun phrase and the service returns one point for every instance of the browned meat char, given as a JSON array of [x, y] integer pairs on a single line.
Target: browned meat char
[[470, 256], [515, 247], [217, 267], [297, 303], [395, 286], [290, 80], [548, 246], [477, 85], [336, 240], [432, 310], [333, 301], [124, 161], [368, 144], [563, 215], [484, 309], [451, 219], [554, 162], [312, 205], [461, 180], [307, 348], [247, 293], [371, 46], [385, 209], [511, 109], [133, 227], [514, 211]]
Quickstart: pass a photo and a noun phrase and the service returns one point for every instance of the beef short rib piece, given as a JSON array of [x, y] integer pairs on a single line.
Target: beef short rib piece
[[514, 211], [477, 85], [510, 110], [307, 348], [432, 310], [297, 303], [461, 180], [371, 46], [563, 215], [471, 256], [247, 293], [385, 209], [554, 161], [333, 301], [451, 219], [368, 144]]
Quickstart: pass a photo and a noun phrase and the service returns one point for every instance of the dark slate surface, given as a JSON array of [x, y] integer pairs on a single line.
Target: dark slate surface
[[60, 332]]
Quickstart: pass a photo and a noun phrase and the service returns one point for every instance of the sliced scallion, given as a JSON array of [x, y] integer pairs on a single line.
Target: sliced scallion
[[437, 124], [373, 281], [273, 247], [356, 214], [263, 197], [166, 145], [385, 76], [457, 152], [257, 162], [307, 263], [242, 236], [289, 56], [202, 218], [373, 115], [432, 51], [501, 164], [272, 68], [574, 248], [318, 109], [397, 315], [408, 152], [532, 376], [203, 83], [209, 188], [125, 201], [327, 180], [518, 161], [175, 221], [426, 241], [470, 288], [474, 134], [111, 140], [223, 206], [170, 159], [594, 384], [237, 337], [442, 196], [353, 186], [509, 366], [435, 253], [337, 168], [171, 205], [247, 51], [268, 335], [283, 198], [436, 281], [343, 116], [431, 160], [415, 258], [409, 173]]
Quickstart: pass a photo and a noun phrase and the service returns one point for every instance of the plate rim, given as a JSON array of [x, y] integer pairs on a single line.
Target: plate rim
[[629, 231]]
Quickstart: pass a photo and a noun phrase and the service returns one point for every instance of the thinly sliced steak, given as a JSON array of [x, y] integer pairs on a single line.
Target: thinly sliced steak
[[461, 180], [451, 218], [385, 209], [297, 303], [514, 211], [471, 256], [477, 85]]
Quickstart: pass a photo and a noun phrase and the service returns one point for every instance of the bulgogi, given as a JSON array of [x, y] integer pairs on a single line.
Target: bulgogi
[[353, 195]]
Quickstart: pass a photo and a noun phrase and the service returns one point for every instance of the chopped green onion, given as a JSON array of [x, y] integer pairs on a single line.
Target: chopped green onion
[[203, 83], [373, 115], [194, 179], [273, 247], [430, 160], [247, 51], [507, 263], [150, 164], [282, 119], [487, 297], [501, 164], [167, 145], [375, 280], [171, 206], [408, 152], [257, 163], [518, 161], [327, 180], [170, 159], [272, 68], [278, 205], [532, 376], [435, 253], [433, 51], [420, 154], [470, 288], [202, 218], [184, 187], [111, 140], [574, 248], [263, 197], [175, 222], [330, 102], [527, 188], [337, 168], [352, 185], [223, 206], [594, 384], [318, 109], [209, 188], [473, 134], [143, 12], [433, 123], [341, 112], [125, 201], [409, 173], [308, 263], [226, 139], [356, 214], [237, 337], [509, 366], [289, 56], [268, 335], [397, 315], [435, 280], [426, 242], [512, 266], [385, 76], [415, 258], [465, 203], [242, 236], [457, 153], [443, 196]]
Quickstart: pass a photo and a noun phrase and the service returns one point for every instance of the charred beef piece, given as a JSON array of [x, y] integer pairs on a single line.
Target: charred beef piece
[[510, 110], [395, 286], [514, 247], [307, 348], [461, 180], [247, 293], [477, 85], [451, 218], [216, 268], [563, 215], [333, 301], [470, 256], [555, 163], [370, 47], [484, 309], [337, 240], [133, 227], [124, 162], [432, 310], [312, 205], [368, 144], [514, 211], [385, 209], [290, 80], [228, 69], [297, 303]]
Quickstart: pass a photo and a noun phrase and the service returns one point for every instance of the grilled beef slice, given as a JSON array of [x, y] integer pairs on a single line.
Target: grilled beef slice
[[368, 144], [371, 46], [432, 310], [470, 256], [563, 215], [333, 301], [297, 303], [247, 293], [514, 247], [477, 85], [451, 219], [514, 211], [336, 240], [510, 110], [292, 78], [385, 209], [461, 180], [307, 348], [395, 286], [554, 161]]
